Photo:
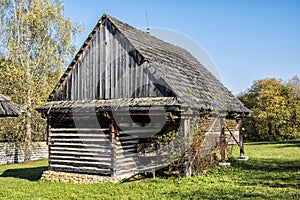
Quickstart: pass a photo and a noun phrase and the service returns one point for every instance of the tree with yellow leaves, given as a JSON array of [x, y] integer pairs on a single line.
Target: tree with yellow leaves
[[276, 109]]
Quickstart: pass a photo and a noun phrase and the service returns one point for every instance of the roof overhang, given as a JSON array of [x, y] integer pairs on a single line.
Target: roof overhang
[[169, 103], [128, 104], [9, 108]]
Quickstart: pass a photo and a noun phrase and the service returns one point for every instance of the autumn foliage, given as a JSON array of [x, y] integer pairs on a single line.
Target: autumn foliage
[[36, 43], [276, 110]]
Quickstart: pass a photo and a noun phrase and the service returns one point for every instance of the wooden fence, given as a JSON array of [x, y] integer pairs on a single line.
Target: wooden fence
[[14, 152]]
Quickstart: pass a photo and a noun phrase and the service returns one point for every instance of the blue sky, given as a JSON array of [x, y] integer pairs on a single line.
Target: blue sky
[[247, 40]]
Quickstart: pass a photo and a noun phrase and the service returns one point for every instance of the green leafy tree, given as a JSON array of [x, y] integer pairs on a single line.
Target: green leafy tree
[[36, 41], [293, 89], [273, 108]]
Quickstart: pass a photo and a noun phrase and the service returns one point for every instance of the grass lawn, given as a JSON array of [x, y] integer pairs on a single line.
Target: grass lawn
[[272, 172]]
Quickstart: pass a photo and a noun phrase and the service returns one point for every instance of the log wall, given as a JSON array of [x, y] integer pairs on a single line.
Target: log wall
[[126, 154], [95, 147], [80, 150]]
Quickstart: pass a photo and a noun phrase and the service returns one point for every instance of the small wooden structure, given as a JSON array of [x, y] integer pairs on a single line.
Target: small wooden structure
[[123, 90]]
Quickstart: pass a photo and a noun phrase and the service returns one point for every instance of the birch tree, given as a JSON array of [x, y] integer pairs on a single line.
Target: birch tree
[[36, 42]]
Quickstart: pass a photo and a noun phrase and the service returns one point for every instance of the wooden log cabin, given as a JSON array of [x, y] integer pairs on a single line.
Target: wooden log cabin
[[123, 90]]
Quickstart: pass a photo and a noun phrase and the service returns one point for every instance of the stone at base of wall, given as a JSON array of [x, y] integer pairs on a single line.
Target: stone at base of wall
[[65, 177]]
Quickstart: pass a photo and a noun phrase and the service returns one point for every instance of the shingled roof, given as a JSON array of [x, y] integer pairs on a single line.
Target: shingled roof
[[9, 108], [188, 79]]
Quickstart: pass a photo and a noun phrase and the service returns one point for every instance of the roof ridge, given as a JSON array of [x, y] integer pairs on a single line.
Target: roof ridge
[[114, 20]]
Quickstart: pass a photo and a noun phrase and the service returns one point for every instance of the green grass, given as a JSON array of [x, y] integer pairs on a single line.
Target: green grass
[[272, 172]]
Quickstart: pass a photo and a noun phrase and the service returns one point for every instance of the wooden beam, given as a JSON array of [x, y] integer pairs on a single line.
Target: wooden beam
[[222, 141], [113, 154], [187, 130], [48, 143], [241, 143]]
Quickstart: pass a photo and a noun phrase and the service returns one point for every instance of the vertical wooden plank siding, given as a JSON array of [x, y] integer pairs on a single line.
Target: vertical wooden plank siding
[[95, 64], [90, 64], [79, 80], [107, 69], [112, 67], [76, 81], [120, 71], [86, 65], [116, 64], [101, 62], [91, 67], [107, 62], [127, 70]]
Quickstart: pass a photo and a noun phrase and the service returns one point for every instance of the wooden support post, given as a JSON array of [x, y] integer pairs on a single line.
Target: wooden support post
[[242, 151], [49, 143], [241, 145], [222, 141], [187, 129], [153, 173], [113, 154], [241, 140]]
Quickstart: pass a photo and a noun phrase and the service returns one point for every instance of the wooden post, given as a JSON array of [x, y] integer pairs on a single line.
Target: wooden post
[[113, 154], [242, 151], [222, 141], [49, 143], [153, 173], [241, 146], [187, 129]]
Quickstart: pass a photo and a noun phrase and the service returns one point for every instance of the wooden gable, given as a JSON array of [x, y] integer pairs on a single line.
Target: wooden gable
[[118, 61], [108, 67]]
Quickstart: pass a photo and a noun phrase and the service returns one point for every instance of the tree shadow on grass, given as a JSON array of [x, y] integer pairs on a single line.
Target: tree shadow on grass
[[269, 165], [271, 172], [216, 193], [295, 143], [31, 174], [288, 142]]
